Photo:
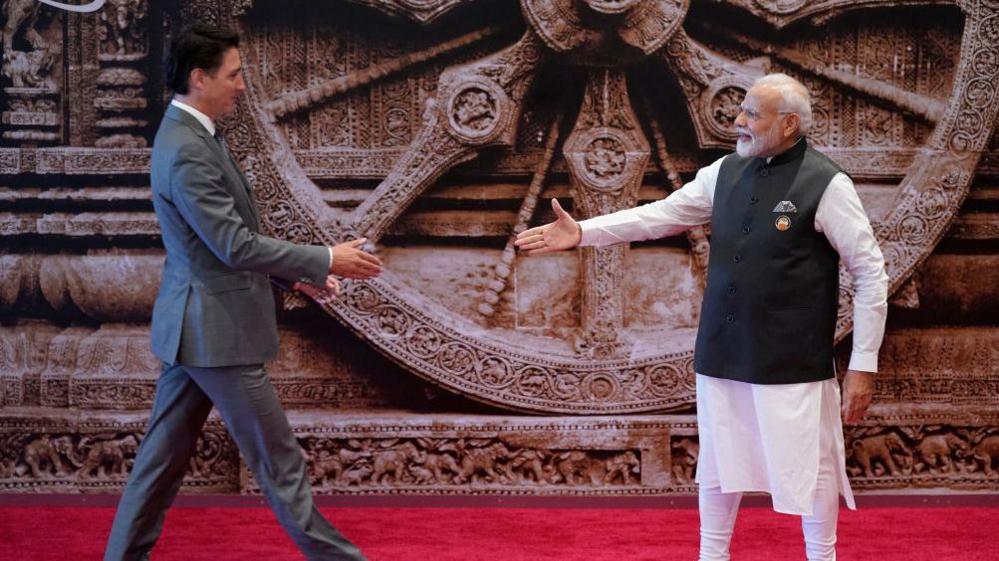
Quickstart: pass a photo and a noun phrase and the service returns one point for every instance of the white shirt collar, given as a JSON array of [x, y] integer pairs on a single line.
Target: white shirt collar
[[205, 120]]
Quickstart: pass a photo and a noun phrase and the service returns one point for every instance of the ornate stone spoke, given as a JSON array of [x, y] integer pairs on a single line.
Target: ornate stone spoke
[[501, 273], [607, 154], [713, 85], [320, 93], [477, 105], [921, 106], [781, 13], [697, 237]]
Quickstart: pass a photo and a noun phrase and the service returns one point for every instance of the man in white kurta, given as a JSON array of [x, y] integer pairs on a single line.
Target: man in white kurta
[[785, 439]]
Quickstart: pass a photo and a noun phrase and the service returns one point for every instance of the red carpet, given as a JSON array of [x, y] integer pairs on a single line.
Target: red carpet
[[509, 534]]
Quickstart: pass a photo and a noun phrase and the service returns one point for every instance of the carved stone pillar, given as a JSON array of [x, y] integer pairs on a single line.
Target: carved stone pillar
[[121, 98]]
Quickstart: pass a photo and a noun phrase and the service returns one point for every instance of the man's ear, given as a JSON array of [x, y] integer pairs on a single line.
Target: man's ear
[[792, 125], [196, 80]]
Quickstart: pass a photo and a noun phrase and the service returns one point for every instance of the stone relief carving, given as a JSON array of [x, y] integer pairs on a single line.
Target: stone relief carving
[[922, 453], [684, 454], [32, 51], [332, 113], [62, 459], [122, 31], [464, 462]]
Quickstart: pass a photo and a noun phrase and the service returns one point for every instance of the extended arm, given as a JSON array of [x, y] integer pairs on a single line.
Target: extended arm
[[689, 206]]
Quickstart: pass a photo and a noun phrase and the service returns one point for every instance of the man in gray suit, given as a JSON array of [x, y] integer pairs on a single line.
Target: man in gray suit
[[214, 320]]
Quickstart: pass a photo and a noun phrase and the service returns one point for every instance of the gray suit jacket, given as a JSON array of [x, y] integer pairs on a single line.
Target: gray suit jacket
[[215, 306]]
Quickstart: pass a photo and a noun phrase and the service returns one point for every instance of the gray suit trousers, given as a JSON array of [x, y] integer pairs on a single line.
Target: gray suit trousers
[[250, 408]]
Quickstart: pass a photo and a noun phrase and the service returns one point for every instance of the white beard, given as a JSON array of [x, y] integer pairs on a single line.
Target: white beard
[[758, 144], [744, 148]]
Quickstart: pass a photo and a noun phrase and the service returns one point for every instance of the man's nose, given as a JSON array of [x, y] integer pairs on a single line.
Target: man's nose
[[740, 120]]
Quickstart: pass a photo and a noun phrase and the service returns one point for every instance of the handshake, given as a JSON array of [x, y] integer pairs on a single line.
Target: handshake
[[348, 260]]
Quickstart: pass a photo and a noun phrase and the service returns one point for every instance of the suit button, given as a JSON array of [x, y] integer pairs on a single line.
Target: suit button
[[737, 258], [730, 318], [731, 289], [745, 229], [753, 200], [764, 172]]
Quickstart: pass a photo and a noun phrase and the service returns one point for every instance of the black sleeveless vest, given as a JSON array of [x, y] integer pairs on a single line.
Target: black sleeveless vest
[[769, 311]]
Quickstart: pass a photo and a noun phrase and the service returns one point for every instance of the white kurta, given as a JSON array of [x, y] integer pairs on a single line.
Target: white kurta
[[756, 437]]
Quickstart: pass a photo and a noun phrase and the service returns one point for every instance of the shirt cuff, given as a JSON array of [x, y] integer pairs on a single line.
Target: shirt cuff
[[864, 362], [588, 234], [331, 259]]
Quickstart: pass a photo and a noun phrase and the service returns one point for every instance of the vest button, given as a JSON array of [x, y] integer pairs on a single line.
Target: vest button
[[764, 172], [730, 318], [745, 229], [737, 258], [753, 200], [731, 289]]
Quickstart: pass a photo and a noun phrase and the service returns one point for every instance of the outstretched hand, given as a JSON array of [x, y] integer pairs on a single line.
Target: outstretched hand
[[352, 262], [562, 234]]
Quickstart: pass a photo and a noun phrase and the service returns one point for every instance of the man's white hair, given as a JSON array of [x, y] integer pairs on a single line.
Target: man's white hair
[[794, 97]]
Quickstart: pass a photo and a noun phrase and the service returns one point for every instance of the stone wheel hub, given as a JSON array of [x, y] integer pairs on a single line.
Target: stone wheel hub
[[604, 32]]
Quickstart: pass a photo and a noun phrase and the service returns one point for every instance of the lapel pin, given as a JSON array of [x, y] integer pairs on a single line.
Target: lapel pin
[[783, 222]]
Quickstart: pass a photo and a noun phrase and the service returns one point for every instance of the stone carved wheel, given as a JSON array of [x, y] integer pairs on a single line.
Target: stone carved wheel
[[590, 357]]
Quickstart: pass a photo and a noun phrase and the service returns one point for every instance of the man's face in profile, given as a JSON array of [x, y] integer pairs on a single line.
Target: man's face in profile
[[221, 88]]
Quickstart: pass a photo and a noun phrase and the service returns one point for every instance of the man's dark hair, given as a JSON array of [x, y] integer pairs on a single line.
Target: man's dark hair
[[198, 46]]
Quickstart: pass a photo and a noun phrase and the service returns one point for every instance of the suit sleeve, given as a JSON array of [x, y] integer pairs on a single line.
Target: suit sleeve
[[198, 189]]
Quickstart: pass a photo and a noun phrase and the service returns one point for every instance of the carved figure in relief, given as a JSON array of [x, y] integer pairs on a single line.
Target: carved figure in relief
[[421, 475], [121, 29], [18, 14], [200, 464], [624, 467], [576, 467], [47, 452], [765, 342], [486, 461], [474, 109], [326, 467], [27, 69], [31, 69], [726, 106], [356, 475], [685, 453], [529, 466], [605, 158], [986, 452], [442, 465], [389, 466], [939, 452], [107, 457], [878, 449]]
